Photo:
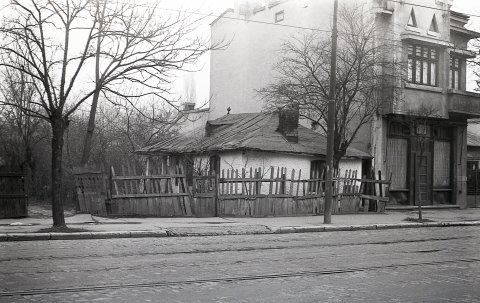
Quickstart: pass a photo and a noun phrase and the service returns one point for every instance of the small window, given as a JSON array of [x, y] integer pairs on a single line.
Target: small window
[[433, 25], [455, 68], [316, 173], [279, 16], [398, 129], [412, 21], [442, 133], [214, 165]]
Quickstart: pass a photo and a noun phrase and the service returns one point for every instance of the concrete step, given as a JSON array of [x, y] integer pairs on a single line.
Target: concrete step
[[428, 207]]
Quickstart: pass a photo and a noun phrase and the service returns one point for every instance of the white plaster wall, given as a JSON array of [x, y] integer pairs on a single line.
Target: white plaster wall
[[266, 160], [350, 164], [238, 160], [246, 64]]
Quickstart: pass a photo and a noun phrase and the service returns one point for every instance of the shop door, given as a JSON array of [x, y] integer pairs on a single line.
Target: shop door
[[423, 178]]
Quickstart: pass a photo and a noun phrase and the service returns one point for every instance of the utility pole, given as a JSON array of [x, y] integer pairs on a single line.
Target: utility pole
[[327, 214]]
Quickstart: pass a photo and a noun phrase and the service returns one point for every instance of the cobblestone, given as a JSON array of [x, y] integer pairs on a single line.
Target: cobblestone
[[404, 265]]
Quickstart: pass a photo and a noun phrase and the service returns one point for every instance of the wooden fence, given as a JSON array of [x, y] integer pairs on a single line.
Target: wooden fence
[[92, 191], [163, 190], [256, 192], [160, 191], [13, 197]]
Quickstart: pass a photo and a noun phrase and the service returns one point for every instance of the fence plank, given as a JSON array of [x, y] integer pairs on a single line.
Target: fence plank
[[291, 182]]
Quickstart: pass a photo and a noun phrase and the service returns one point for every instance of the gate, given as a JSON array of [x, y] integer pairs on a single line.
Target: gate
[[13, 197], [91, 191]]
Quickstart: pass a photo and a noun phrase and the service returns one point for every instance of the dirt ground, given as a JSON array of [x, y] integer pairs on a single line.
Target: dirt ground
[[43, 209]]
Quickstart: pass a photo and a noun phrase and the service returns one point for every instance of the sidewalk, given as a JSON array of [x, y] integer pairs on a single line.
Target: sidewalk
[[100, 227]]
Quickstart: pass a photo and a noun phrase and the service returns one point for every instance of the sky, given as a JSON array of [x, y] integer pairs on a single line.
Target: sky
[[199, 82]]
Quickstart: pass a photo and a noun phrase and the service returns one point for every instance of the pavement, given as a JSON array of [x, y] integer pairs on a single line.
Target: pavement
[[95, 227]]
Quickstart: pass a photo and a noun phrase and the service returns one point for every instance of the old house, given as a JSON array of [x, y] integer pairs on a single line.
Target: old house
[[258, 140], [433, 44]]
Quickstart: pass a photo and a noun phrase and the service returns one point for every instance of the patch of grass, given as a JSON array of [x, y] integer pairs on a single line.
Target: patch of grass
[[417, 220], [62, 229]]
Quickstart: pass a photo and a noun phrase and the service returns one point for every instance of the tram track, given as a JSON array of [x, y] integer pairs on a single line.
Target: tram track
[[231, 279]]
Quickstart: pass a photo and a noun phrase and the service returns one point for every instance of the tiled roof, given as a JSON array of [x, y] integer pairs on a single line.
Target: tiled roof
[[256, 131]]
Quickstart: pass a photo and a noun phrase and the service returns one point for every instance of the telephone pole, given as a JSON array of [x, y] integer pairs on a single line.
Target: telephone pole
[[327, 214]]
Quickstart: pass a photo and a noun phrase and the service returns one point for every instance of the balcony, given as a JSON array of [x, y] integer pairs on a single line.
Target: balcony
[[463, 103]]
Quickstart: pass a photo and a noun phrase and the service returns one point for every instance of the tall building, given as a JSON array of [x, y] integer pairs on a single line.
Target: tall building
[[419, 139]]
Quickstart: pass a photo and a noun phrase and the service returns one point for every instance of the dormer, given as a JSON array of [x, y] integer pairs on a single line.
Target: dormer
[[433, 25], [412, 20]]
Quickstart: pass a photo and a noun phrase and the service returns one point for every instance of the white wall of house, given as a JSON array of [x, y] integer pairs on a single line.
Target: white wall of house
[[238, 160], [266, 160]]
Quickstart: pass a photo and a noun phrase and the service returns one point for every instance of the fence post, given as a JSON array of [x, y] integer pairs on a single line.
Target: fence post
[[216, 189]]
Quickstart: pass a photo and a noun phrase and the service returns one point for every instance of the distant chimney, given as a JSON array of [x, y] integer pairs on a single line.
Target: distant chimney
[[288, 123], [188, 106], [246, 8]]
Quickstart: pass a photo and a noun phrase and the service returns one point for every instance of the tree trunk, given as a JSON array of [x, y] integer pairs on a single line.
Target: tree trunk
[[87, 145], [58, 129]]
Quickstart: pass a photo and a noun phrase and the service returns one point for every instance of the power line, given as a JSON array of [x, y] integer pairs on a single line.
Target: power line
[[222, 16], [431, 7]]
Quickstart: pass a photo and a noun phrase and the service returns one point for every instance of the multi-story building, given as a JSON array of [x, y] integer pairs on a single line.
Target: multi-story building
[[427, 160]]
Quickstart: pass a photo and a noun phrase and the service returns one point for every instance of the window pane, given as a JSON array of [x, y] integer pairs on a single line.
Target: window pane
[[450, 82], [418, 51], [425, 52], [441, 166], [418, 66], [410, 49], [433, 53], [457, 82], [433, 73], [410, 70], [425, 73]]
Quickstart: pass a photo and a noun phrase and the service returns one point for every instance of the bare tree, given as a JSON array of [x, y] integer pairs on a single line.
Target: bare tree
[[19, 132], [52, 42], [140, 48], [363, 67]]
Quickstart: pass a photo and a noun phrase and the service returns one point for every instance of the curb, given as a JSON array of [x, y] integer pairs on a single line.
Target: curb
[[11, 237], [306, 229]]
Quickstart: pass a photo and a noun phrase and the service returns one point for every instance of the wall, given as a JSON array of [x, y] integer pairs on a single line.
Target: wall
[[246, 64], [265, 160], [460, 166]]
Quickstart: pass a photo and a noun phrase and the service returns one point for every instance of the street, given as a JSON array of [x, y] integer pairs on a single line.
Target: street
[[399, 265]]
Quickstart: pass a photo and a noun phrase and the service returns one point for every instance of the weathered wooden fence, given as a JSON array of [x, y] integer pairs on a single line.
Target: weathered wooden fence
[[163, 190], [92, 191], [277, 192], [13, 197]]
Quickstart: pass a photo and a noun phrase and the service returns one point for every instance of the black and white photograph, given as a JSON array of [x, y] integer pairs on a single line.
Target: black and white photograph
[[240, 151]]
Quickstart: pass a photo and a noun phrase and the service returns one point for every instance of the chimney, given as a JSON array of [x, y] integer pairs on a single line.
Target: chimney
[[188, 106], [288, 123]]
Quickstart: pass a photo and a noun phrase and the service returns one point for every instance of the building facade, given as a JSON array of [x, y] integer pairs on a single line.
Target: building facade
[[420, 140]]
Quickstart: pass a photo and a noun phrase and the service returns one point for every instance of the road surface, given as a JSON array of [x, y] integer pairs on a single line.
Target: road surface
[[400, 265]]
